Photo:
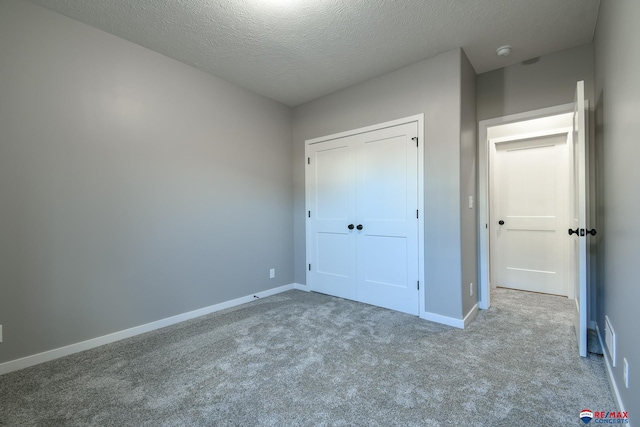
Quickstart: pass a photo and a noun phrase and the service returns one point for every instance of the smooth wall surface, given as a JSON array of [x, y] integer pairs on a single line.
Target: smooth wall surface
[[617, 92], [432, 87], [468, 185], [538, 83], [132, 187]]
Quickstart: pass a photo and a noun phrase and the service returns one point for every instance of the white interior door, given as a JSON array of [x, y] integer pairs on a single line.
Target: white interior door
[[530, 203], [387, 203], [331, 192], [362, 225], [579, 217]]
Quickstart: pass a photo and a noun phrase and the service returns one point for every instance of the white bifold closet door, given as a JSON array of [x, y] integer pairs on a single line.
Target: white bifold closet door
[[362, 225]]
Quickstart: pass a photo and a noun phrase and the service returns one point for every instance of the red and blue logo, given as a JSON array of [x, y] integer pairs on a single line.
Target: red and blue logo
[[602, 417], [586, 416]]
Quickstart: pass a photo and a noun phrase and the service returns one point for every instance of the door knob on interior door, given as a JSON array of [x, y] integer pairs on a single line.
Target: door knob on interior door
[[359, 227], [592, 231], [573, 231], [501, 222], [350, 226]]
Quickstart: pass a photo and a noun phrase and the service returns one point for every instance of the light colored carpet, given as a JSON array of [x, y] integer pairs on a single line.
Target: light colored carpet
[[305, 359]]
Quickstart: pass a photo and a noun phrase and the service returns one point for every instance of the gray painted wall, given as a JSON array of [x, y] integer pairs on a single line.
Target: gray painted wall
[[468, 185], [433, 87], [132, 186], [543, 82], [617, 90]]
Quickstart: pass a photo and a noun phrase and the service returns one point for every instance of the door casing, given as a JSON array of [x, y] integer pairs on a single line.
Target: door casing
[[483, 189]]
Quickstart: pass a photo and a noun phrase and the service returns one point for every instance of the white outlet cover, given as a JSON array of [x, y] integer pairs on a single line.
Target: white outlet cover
[[625, 366], [610, 340]]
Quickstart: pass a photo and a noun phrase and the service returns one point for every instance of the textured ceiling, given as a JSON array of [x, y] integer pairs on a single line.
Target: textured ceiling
[[297, 50]]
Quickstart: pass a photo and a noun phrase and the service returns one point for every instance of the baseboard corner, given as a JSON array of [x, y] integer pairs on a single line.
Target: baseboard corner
[[471, 315], [301, 287], [443, 320]]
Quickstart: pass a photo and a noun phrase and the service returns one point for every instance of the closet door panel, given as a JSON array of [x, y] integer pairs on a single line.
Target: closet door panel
[[331, 208], [387, 202]]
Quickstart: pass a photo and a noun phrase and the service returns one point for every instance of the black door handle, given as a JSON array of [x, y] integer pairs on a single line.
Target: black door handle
[[592, 231], [573, 231], [350, 226], [359, 227], [501, 222]]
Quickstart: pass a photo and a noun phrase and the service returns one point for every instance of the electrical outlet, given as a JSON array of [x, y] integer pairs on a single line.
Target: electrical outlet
[[470, 202], [625, 366], [610, 340], [470, 289], [272, 273]]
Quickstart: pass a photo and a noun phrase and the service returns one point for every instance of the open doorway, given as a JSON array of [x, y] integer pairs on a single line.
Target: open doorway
[[540, 131], [524, 177]]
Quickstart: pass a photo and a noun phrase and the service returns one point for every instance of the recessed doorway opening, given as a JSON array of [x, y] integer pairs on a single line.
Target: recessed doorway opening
[[519, 155], [533, 217]]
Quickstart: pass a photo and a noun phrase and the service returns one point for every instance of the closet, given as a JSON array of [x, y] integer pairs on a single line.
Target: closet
[[362, 216]]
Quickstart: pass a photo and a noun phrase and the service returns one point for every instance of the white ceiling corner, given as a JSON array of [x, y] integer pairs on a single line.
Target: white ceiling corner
[[295, 51]]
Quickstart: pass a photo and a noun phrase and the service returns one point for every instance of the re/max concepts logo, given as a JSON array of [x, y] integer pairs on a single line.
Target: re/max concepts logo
[[601, 417]]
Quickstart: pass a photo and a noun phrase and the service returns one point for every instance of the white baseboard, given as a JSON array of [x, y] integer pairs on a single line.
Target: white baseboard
[[612, 381], [445, 320], [470, 315], [300, 287], [25, 362], [452, 321]]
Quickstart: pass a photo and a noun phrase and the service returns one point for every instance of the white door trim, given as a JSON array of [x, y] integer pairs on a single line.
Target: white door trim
[[540, 134], [483, 188], [419, 118]]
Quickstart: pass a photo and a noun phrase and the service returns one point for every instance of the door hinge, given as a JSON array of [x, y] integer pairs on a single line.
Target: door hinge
[[309, 267], [309, 214], [308, 160], [417, 213], [418, 284], [415, 138]]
